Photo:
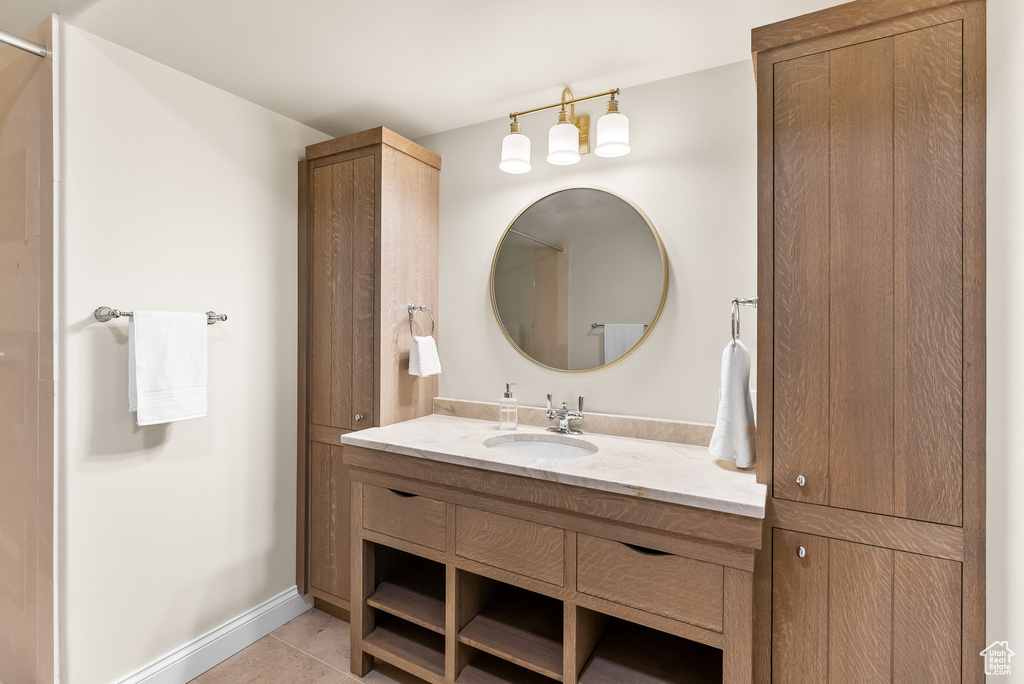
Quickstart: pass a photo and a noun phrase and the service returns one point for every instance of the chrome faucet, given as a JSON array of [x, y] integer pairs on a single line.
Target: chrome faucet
[[563, 416]]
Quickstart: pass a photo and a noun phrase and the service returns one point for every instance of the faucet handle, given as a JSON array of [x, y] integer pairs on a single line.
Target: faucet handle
[[549, 402], [581, 403]]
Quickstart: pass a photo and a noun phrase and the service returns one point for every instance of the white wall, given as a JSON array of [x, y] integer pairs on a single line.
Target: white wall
[[178, 196], [1005, 325], [692, 171]]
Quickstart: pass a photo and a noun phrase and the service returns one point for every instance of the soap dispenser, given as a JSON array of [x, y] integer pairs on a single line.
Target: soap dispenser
[[508, 410]]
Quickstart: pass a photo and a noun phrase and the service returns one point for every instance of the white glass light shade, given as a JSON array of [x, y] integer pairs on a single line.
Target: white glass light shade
[[515, 153], [563, 144], [612, 135]]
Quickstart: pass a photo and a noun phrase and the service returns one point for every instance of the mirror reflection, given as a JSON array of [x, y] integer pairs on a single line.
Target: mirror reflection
[[578, 279]]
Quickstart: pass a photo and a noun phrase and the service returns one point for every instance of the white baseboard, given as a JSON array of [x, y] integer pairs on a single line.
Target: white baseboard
[[199, 655]]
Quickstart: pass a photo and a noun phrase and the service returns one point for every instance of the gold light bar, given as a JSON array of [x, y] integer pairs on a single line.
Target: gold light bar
[[614, 91]]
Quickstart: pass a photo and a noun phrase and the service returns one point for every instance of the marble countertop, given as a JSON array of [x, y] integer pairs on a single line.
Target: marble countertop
[[663, 471]]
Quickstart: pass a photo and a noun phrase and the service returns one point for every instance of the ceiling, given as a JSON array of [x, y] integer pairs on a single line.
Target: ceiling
[[418, 66]]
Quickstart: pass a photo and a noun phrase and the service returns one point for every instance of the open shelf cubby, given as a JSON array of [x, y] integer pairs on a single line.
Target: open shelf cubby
[[518, 626], [394, 636], [628, 652], [484, 668], [414, 592]]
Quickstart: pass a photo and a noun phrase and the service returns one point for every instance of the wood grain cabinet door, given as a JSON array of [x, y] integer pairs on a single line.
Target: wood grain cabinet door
[[869, 276], [799, 608], [341, 367], [329, 516], [801, 218], [845, 612]]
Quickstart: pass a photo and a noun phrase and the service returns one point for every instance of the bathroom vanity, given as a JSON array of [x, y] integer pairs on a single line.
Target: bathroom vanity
[[631, 563]]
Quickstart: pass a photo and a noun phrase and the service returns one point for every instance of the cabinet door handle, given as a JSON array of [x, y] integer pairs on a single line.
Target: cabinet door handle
[[801, 480], [404, 495], [801, 552], [645, 550], [359, 416]]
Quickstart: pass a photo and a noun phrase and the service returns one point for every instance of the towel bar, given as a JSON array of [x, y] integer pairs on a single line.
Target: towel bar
[[105, 313]]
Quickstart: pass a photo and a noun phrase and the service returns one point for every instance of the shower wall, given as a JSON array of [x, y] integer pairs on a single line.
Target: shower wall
[[26, 363]]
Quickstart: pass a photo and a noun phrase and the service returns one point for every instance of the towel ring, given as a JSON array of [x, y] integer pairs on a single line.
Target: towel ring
[[736, 314], [413, 310]]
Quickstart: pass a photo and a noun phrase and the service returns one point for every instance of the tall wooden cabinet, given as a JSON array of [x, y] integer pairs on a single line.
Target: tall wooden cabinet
[[871, 322], [368, 247]]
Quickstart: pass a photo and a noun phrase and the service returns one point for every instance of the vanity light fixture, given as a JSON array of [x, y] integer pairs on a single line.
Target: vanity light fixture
[[515, 150], [612, 132], [563, 141], [570, 136]]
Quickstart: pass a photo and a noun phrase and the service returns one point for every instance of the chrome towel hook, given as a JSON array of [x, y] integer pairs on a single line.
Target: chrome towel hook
[[413, 310]]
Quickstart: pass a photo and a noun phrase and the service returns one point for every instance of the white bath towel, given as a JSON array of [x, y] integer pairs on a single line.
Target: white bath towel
[[733, 438], [166, 366], [423, 358], [619, 338]]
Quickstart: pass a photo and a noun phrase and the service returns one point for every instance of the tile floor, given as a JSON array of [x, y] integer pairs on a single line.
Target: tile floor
[[311, 649]]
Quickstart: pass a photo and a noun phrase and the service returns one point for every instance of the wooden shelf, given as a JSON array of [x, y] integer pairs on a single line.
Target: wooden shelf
[[486, 669], [410, 643], [521, 627], [415, 593], [638, 655]]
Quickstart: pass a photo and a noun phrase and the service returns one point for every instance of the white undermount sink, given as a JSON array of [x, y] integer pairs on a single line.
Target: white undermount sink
[[541, 445]]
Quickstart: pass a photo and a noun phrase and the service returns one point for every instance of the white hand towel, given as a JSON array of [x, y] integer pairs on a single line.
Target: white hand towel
[[619, 338], [423, 358], [166, 366], [733, 438]]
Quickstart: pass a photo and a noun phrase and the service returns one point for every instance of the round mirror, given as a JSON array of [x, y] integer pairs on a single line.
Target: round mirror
[[579, 279]]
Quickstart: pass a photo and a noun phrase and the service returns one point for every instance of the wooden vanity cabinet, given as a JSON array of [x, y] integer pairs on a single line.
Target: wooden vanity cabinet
[[479, 577], [871, 349], [368, 244]]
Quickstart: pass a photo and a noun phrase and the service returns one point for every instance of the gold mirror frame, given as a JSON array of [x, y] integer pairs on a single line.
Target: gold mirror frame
[[664, 283]]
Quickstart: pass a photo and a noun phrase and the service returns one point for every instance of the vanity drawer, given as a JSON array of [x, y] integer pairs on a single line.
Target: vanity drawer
[[653, 581], [411, 517], [522, 547]]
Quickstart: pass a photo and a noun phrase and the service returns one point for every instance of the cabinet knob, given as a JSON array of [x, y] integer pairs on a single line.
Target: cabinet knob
[[359, 416], [801, 480], [801, 551]]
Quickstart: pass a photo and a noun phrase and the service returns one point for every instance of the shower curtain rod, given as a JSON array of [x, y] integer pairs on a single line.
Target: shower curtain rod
[[539, 242], [22, 44]]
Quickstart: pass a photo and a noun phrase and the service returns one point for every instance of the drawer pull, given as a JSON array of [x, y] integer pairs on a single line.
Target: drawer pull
[[405, 495], [646, 551]]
